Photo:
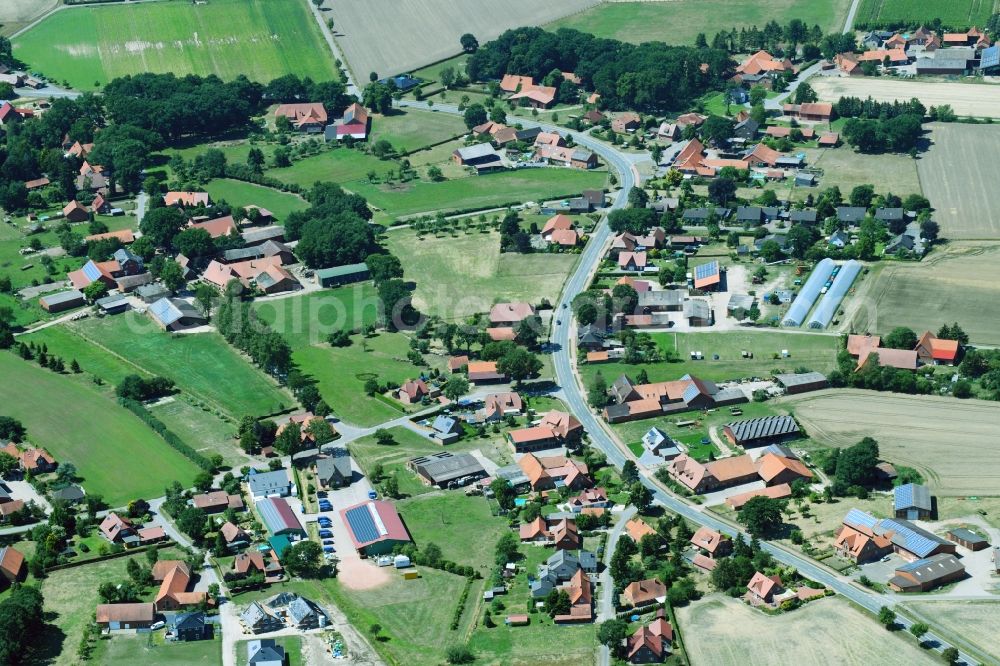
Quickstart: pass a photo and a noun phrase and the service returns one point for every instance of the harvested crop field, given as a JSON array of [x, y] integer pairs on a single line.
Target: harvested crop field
[[974, 621], [393, 36], [263, 39], [16, 14], [680, 21], [725, 632], [952, 442], [966, 99], [959, 177], [951, 285]]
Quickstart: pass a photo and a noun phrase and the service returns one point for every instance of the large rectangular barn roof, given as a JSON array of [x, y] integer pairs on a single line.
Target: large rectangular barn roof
[[763, 428]]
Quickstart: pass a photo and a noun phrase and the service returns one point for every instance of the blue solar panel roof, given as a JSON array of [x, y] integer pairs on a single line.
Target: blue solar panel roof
[[362, 524], [990, 57], [690, 393], [859, 517], [91, 270], [705, 270], [165, 311]]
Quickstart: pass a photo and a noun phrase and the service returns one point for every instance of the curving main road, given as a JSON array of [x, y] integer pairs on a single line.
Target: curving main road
[[600, 436]]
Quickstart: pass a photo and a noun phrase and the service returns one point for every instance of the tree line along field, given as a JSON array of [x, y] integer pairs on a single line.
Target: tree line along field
[[263, 39], [825, 632], [957, 14], [952, 443], [680, 21], [116, 454], [952, 284]]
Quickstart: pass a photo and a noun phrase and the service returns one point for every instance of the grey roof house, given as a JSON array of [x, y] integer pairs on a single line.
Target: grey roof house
[[265, 652], [334, 471], [270, 484]]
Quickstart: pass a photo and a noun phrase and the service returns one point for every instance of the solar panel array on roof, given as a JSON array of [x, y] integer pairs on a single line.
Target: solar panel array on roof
[[91, 270], [911, 495], [762, 428], [690, 393], [831, 300], [165, 311], [858, 518], [810, 292], [990, 57], [362, 522], [706, 270], [906, 535]]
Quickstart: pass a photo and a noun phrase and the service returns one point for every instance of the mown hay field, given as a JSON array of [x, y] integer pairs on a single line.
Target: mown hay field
[[951, 442], [723, 632], [263, 39]]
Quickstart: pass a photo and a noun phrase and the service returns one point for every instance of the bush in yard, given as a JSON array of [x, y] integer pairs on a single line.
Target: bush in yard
[[460, 654]]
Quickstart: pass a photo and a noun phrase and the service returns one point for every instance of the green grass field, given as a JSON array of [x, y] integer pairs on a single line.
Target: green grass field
[[203, 365], [462, 526], [410, 129], [263, 39], [957, 14], [117, 455], [816, 352], [202, 428], [238, 193], [341, 372], [496, 189], [466, 273], [152, 649], [340, 165], [680, 21]]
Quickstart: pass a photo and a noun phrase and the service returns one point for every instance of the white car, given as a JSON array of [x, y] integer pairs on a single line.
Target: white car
[[158, 625]]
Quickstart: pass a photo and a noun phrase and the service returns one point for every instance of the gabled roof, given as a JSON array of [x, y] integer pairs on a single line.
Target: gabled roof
[[764, 586], [912, 496], [771, 465]]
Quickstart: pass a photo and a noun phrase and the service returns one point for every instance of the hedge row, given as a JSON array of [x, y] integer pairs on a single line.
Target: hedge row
[[168, 435]]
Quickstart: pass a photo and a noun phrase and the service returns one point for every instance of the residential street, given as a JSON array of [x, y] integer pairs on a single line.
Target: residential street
[[606, 598]]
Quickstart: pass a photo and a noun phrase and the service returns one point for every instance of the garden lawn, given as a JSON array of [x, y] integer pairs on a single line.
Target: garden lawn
[[473, 192], [262, 39], [464, 274], [152, 649], [238, 194], [341, 372], [411, 129], [202, 364], [114, 452]]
